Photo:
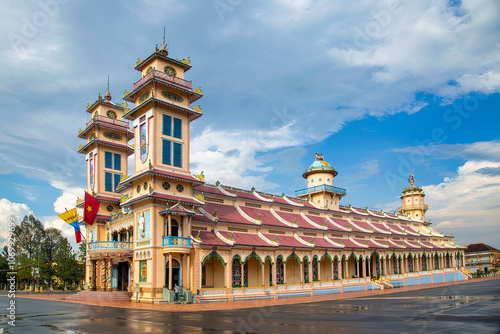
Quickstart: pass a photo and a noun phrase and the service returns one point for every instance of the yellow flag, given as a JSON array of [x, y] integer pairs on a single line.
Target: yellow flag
[[69, 216]]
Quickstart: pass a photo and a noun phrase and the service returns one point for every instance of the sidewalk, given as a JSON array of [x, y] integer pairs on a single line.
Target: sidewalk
[[248, 303]]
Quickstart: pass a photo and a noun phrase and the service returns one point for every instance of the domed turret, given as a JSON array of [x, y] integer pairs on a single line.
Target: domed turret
[[320, 189]]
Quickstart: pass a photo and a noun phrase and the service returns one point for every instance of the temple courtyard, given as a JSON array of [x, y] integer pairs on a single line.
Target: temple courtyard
[[457, 307]]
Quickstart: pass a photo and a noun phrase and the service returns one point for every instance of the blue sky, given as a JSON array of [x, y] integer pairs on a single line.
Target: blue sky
[[369, 85]]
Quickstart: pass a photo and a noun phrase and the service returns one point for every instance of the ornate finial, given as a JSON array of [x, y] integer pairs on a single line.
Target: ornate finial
[[319, 157], [283, 194], [258, 218], [311, 241], [198, 236], [253, 189], [150, 165], [295, 221], [200, 176], [107, 96], [99, 97], [231, 238], [275, 239], [215, 214], [217, 183]]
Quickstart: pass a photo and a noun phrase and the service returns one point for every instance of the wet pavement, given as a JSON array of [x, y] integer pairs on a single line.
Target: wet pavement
[[473, 307]]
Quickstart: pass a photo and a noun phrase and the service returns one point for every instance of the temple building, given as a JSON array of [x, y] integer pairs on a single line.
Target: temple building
[[163, 225]]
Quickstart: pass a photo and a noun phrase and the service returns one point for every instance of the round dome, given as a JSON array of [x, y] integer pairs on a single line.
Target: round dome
[[319, 166]]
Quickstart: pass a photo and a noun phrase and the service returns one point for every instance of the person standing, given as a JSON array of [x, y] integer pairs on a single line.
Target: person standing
[[176, 291]]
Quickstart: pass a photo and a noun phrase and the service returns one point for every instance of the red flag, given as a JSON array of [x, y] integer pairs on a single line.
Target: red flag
[[78, 236], [90, 208]]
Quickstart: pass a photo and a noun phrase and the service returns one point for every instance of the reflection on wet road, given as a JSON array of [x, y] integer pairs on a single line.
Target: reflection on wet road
[[465, 308]]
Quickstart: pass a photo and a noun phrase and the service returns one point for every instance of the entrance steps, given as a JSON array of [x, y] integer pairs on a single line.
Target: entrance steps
[[101, 296], [386, 285]]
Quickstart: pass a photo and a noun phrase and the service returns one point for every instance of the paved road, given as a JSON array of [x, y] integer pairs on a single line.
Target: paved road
[[467, 308]]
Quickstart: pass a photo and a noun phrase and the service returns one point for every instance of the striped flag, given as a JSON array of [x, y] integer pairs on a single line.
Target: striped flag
[[71, 217]]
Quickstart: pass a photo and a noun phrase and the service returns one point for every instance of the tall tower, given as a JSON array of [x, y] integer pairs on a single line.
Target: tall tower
[[412, 201], [320, 189], [160, 192], [106, 152]]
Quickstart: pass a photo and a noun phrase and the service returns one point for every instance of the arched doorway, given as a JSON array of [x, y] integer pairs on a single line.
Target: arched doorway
[[176, 273], [292, 269], [326, 268], [253, 271], [352, 266], [212, 272]]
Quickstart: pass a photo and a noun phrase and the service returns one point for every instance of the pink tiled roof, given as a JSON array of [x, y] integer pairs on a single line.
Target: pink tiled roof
[[209, 238], [244, 194], [287, 241], [165, 197], [345, 223], [380, 226], [245, 239], [301, 222], [362, 224], [349, 244], [201, 218], [319, 242], [396, 229], [376, 214], [209, 189], [319, 220], [426, 243], [280, 200], [396, 244], [225, 213], [266, 216]]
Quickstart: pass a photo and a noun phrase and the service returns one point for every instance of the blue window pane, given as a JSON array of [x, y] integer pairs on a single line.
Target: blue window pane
[[108, 181], [178, 128], [118, 161], [166, 156], [167, 125], [108, 160], [117, 180], [177, 155]]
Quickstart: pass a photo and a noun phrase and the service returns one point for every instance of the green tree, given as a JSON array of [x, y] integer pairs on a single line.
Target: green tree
[[68, 268], [50, 246], [4, 265]]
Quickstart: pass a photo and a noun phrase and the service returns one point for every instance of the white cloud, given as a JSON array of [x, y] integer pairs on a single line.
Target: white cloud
[[68, 198], [488, 151], [467, 203], [14, 210], [228, 156]]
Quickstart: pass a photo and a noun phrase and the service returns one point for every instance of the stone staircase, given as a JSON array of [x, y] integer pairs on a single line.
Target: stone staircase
[[386, 285], [97, 296]]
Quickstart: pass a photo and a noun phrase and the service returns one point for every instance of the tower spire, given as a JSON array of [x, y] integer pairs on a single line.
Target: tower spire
[[164, 46], [411, 179], [107, 97]]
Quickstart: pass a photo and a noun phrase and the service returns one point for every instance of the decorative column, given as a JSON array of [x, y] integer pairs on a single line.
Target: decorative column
[[109, 266], [169, 225], [92, 280], [103, 274], [319, 270], [188, 271], [346, 268], [284, 272], [263, 276], [341, 271], [272, 266], [302, 272], [170, 270]]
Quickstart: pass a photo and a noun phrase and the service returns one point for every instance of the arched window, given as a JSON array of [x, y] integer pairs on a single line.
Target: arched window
[[236, 271], [315, 268], [279, 270]]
